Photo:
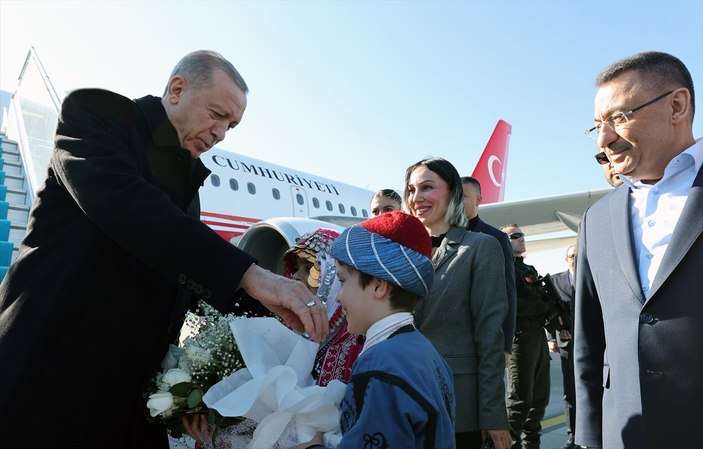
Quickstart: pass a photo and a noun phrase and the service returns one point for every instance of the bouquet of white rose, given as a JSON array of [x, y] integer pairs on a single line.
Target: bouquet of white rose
[[189, 370], [275, 392]]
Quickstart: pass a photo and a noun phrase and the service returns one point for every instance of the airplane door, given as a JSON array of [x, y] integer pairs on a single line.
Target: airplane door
[[300, 202]]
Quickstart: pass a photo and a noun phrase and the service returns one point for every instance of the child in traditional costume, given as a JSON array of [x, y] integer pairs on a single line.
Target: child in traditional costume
[[401, 392], [309, 262]]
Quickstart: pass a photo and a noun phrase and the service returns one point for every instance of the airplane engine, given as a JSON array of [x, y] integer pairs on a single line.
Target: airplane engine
[[269, 239]]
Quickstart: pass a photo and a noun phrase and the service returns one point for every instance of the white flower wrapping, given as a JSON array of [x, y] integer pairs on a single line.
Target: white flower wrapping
[[276, 389]]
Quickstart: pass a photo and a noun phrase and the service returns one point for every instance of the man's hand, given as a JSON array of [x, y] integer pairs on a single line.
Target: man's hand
[[553, 346], [287, 299], [501, 438]]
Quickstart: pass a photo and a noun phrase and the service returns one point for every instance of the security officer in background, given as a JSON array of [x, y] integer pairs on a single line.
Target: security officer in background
[[528, 374]]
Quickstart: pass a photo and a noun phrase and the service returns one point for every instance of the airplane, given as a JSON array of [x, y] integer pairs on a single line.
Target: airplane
[[261, 206], [242, 191]]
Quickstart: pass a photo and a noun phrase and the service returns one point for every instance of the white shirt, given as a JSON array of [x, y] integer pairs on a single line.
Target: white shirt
[[655, 209], [383, 328]]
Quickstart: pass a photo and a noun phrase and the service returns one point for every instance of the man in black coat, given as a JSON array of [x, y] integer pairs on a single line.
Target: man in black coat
[[472, 198], [563, 343], [114, 256]]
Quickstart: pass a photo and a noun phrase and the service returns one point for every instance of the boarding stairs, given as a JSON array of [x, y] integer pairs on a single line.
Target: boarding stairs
[[14, 207]]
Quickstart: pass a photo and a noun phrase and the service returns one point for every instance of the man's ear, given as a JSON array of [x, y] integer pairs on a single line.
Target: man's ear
[[479, 198], [176, 87], [681, 105]]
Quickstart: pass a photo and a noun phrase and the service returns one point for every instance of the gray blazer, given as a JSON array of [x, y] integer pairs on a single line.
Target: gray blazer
[[638, 363], [462, 317]]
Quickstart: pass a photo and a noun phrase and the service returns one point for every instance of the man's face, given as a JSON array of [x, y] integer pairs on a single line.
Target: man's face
[[517, 241], [613, 179], [471, 200], [202, 116], [637, 148], [571, 258]]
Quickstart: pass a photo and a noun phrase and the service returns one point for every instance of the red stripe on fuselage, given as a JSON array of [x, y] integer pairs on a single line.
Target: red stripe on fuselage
[[245, 223], [229, 217]]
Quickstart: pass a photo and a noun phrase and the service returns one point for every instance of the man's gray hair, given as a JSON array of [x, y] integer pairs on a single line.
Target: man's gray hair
[[197, 68]]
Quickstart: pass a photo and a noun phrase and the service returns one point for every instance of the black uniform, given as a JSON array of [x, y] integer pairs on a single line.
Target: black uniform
[[528, 379]]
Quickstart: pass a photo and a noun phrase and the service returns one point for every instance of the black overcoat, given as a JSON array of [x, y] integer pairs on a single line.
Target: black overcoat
[[114, 255]]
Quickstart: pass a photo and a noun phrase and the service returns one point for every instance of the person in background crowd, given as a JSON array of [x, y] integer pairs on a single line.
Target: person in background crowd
[[115, 254], [640, 253], [385, 200], [401, 393], [563, 343], [472, 199], [528, 374], [464, 312], [612, 178]]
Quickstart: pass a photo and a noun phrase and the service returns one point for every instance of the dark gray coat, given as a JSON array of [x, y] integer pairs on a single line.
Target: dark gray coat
[[462, 317]]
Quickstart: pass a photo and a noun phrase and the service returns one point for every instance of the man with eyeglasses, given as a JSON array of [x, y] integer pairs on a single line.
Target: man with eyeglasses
[[640, 260], [562, 342], [528, 373]]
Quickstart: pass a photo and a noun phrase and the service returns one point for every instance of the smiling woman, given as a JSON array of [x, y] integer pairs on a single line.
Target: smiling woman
[[463, 313]]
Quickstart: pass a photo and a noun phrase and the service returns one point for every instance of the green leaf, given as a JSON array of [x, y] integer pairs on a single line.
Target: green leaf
[[182, 389], [194, 398]]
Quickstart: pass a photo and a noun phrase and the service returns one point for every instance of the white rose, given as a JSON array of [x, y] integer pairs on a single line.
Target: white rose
[[175, 376], [198, 355], [160, 403]]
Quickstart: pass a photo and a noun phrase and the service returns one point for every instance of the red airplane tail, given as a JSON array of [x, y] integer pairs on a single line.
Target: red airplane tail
[[491, 167]]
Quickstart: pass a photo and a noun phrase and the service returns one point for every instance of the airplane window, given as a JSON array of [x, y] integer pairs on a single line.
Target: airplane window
[[251, 188], [299, 199], [329, 205], [353, 211], [233, 184], [341, 208], [364, 213], [316, 203], [215, 180], [276, 194]]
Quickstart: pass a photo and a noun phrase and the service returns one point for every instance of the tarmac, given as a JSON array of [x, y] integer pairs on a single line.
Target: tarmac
[[554, 423]]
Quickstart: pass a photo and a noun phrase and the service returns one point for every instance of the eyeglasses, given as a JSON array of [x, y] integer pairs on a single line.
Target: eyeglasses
[[516, 235], [620, 118], [602, 158]]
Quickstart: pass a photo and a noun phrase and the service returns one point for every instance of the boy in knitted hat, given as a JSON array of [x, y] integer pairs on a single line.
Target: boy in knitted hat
[[401, 392]]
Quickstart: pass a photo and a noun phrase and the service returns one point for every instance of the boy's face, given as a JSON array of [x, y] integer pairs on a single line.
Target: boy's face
[[359, 302]]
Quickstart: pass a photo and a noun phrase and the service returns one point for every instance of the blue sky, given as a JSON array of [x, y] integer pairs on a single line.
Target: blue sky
[[357, 91]]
